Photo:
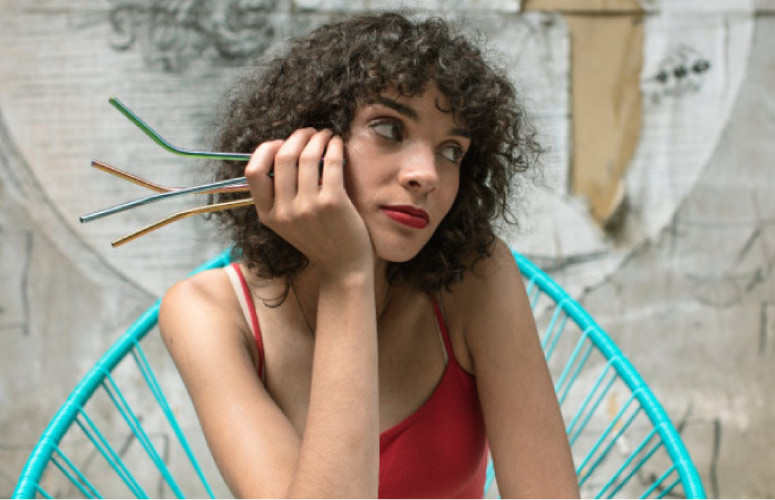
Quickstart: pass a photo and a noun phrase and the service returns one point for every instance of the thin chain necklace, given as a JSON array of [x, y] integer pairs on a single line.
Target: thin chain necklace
[[309, 325]]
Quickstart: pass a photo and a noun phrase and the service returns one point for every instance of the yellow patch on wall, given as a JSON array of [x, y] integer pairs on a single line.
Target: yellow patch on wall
[[607, 56]]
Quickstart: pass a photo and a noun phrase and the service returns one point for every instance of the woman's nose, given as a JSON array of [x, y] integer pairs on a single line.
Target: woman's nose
[[418, 170]]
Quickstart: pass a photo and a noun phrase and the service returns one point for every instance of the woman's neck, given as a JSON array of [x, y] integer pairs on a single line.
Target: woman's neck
[[306, 288]]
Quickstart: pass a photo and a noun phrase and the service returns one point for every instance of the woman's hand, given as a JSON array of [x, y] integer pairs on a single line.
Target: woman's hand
[[338, 453], [313, 214]]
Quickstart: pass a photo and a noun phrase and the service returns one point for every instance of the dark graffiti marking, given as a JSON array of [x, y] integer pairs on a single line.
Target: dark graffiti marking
[[173, 33], [22, 324], [713, 472], [161, 484], [682, 71], [764, 326], [25, 291], [729, 284]]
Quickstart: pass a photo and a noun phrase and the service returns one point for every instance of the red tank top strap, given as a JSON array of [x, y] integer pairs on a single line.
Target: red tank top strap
[[441, 321], [253, 319]]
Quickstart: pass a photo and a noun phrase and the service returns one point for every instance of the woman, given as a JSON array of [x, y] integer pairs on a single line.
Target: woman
[[375, 337]]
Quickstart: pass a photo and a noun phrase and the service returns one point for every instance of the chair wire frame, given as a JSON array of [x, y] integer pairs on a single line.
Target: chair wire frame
[[623, 443]]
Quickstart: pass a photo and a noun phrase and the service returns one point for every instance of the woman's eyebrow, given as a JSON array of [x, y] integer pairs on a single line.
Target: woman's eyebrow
[[411, 113], [401, 108], [462, 132]]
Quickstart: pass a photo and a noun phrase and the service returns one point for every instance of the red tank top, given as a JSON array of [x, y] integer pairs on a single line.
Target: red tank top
[[439, 451]]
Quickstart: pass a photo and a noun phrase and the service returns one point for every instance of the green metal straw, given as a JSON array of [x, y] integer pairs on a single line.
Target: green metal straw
[[158, 139]]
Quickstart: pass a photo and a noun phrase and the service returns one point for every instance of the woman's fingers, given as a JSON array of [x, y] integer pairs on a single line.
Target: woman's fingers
[[257, 173], [296, 183], [313, 214], [286, 165], [332, 164], [309, 163]]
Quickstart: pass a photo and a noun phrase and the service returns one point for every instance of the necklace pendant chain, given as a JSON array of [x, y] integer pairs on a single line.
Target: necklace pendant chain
[[309, 325]]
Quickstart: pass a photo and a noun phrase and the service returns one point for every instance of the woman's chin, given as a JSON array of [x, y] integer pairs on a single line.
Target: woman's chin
[[396, 251], [393, 243]]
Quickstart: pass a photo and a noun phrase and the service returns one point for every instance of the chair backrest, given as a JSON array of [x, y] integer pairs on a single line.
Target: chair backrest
[[623, 442], [118, 435]]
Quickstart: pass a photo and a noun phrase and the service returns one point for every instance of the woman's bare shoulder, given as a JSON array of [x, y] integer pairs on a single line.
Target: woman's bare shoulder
[[504, 347], [204, 302], [209, 287], [480, 300], [489, 280], [210, 290]]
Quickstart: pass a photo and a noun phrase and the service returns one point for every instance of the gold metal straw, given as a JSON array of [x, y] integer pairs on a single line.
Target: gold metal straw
[[136, 179], [215, 207], [232, 186]]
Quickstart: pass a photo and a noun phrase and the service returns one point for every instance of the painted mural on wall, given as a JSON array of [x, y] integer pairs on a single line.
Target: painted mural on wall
[[683, 70], [172, 61], [172, 34]]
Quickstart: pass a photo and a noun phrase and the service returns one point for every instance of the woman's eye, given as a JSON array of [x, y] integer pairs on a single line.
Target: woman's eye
[[452, 153], [387, 129]]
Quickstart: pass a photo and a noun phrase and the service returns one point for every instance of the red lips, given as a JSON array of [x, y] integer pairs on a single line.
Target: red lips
[[408, 215]]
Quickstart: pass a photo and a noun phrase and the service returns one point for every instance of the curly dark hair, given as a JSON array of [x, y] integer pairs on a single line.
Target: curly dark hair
[[321, 81]]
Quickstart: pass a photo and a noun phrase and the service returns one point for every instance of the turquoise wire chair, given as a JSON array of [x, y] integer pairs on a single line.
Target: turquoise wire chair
[[623, 443]]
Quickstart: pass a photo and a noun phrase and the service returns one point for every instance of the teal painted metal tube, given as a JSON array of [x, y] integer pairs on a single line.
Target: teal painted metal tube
[[153, 384], [43, 492], [64, 418], [571, 361], [669, 488], [616, 475], [601, 439], [538, 282], [110, 455], [81, 482], [689, 477], [659, 481], [137, 429], [640, 463], [489, 477], [575, 375], [584, 408], [558, 331]]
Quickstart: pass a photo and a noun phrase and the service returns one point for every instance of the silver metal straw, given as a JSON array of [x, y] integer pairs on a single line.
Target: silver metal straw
[[158, 197]]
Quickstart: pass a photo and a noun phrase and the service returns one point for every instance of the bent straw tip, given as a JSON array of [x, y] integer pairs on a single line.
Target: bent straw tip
[[118, 104], [127, 238], [92, 216]]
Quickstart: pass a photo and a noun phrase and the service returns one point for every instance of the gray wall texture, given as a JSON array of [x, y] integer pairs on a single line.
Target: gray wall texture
[[682, 277]]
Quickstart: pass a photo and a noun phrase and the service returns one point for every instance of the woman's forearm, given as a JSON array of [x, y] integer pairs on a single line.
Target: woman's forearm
[[339, 454]]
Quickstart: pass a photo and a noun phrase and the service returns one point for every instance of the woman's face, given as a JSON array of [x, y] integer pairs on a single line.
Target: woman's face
[[403, 169]]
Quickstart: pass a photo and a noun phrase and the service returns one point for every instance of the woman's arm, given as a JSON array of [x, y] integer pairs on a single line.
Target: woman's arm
[[339, 454], [524, 425], [253, 442]]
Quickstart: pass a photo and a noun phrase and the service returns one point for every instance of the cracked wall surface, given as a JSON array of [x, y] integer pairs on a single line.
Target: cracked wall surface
[[682, 277], [703, 291]]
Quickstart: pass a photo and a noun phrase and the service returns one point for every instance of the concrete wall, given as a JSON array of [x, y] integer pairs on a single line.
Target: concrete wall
[[655, 208]]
